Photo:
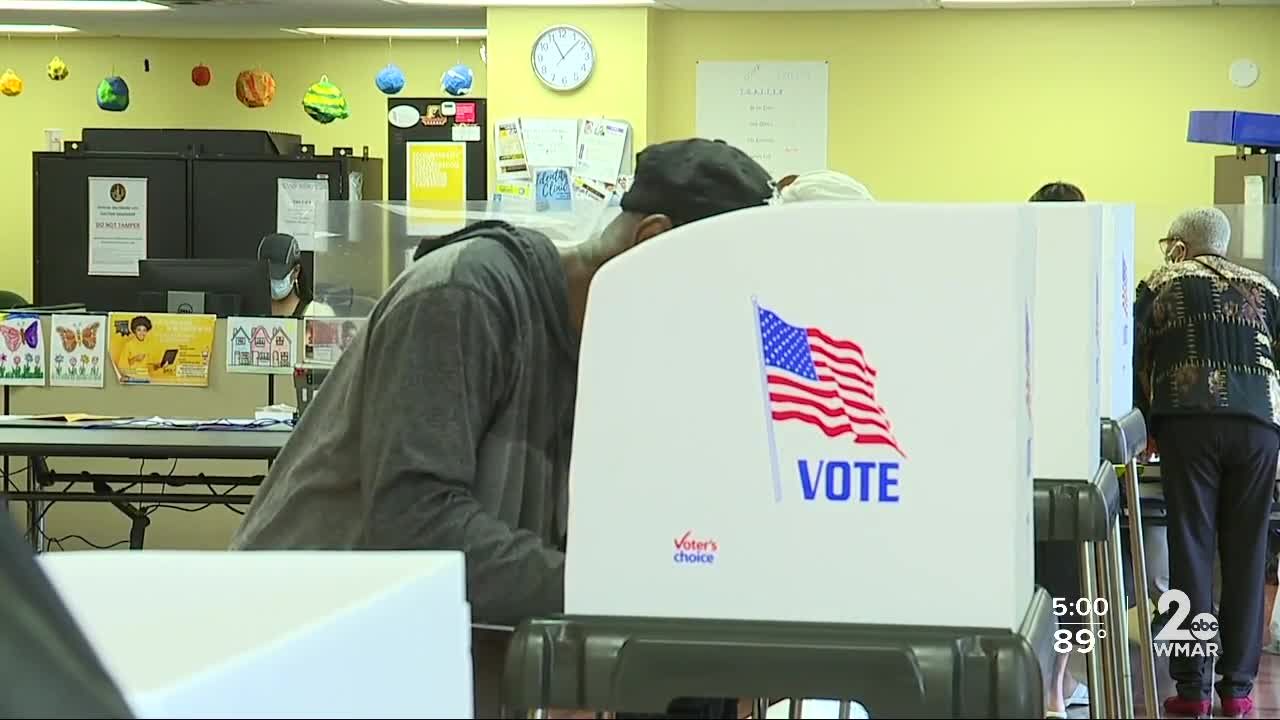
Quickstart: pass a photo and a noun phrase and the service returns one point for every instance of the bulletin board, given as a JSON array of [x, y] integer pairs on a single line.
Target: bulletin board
[[429, 120]]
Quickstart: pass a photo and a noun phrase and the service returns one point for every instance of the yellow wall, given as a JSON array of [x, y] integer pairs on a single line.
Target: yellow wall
[[165, 97], [988, 105], [618, 86]]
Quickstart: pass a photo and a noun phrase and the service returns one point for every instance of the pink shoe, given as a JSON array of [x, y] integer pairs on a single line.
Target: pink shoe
[[1237, 707], [1178, 706]]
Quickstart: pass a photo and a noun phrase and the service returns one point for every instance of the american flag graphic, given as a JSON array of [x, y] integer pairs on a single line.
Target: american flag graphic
[[822, 380]]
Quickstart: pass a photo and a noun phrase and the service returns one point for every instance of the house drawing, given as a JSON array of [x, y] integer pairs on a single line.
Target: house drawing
[[261, 344], [281, 348], [240, 348]]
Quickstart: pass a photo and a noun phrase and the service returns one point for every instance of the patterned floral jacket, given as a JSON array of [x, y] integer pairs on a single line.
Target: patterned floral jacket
[[1207, 332]]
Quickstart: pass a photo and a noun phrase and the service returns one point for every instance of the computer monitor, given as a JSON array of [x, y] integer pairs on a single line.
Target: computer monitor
[[205, 286]]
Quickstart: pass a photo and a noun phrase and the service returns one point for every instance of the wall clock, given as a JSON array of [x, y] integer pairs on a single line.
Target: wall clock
[[563, 58]]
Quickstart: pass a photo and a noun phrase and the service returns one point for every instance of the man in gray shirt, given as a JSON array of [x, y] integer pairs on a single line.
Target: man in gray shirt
[[447, 424]]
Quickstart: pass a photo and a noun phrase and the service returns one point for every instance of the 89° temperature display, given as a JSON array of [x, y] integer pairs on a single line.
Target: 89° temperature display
[[1079, 624]]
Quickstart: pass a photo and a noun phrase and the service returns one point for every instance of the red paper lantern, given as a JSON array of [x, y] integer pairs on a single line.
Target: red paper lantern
[[201, 75]]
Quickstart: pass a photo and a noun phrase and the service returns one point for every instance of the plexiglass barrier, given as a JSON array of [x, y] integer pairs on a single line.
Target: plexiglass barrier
[[360, 248]]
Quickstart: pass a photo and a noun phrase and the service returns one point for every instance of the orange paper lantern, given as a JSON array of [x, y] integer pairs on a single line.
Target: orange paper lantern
[[255, 88]]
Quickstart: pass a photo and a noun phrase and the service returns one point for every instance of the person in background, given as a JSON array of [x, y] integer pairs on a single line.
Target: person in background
[[291, 293], [821, 185], [1205, 352], [1058, 192], [1057, 565], [448, 423]]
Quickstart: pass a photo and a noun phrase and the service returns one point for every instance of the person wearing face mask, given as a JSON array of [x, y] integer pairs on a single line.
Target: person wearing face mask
[[290, 293], [1206, 332]]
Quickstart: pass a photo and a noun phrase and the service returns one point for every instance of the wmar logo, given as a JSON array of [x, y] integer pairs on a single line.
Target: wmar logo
[[691, 550], [813, 377]]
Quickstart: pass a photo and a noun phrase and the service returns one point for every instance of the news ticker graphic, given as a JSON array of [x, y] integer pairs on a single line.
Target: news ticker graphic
[[1086, 627]]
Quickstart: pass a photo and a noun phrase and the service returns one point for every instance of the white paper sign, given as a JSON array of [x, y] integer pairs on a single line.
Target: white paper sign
[[776, 112], [266, 346], [117, 225], [77, 351], [550, 142], [302, 209], [466, 133], [600, 147], [1254, 218]]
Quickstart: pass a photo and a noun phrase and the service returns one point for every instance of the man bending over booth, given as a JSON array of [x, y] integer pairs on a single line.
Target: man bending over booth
[[447, 424]]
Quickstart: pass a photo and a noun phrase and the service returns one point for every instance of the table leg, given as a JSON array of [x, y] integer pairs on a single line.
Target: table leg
[[35, 514]]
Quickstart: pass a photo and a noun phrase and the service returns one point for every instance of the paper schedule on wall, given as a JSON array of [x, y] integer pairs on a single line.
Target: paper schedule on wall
[[550, 142], [776, 112]]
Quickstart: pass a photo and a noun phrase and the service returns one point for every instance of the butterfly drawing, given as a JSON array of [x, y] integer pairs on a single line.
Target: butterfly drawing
[[87, 336], [14, 337]]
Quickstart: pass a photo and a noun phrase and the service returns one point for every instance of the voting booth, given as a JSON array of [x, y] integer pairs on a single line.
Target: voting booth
[[276, 634], [818, 429], [1082, 409]]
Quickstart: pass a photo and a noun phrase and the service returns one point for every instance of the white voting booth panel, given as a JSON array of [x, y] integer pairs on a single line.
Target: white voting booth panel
[[730, 449], [1068, 360], [1118, 287], [276, 634]]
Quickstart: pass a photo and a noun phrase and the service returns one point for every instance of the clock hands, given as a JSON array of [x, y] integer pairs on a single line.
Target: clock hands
[[565, 54]]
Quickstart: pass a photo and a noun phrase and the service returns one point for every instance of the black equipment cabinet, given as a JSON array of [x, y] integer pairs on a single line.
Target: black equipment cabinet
[[210, 194], [61, 224]]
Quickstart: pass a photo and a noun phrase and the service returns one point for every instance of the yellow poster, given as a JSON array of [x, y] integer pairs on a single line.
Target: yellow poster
[[437, 175], [162, 348]]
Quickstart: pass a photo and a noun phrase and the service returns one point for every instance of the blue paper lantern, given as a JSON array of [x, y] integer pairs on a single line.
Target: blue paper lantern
[[390, 80], [457, 80]]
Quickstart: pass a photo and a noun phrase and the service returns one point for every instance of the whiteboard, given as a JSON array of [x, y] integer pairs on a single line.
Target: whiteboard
[[776, 112]]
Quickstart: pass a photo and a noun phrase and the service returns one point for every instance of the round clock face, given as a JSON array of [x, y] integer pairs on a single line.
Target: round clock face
[[563, 57]]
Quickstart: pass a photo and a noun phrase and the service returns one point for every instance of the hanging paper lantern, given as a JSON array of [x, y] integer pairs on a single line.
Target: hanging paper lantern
[[390, 80], [113, 94], [255, 88], [10, 83], [457, 80], [324, 102], [57, 70], [201, 75]]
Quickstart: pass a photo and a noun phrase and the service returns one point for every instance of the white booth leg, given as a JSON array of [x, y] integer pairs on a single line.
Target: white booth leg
[[1118, 624], [1150, 699], [1110, 661], [1093, 661]]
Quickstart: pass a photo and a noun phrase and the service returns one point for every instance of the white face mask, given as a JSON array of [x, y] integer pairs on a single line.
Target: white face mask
[[281, 288]]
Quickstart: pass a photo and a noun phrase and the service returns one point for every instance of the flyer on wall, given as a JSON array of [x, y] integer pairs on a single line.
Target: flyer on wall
[[162, 348], [22, 350], [325, 339], [117, 225], [76, 357], [267, 346]]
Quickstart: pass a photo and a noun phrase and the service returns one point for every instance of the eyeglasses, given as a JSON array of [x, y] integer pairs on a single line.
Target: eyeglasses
[[1165, 242]]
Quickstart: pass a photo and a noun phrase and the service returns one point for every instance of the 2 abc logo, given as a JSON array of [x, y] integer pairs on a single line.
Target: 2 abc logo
[[1202, 628]]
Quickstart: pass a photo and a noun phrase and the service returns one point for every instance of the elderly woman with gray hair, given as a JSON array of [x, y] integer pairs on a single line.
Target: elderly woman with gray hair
[[1205, 364]]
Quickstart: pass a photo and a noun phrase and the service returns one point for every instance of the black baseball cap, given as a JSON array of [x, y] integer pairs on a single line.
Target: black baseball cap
[[689, 180], [281, 252]]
